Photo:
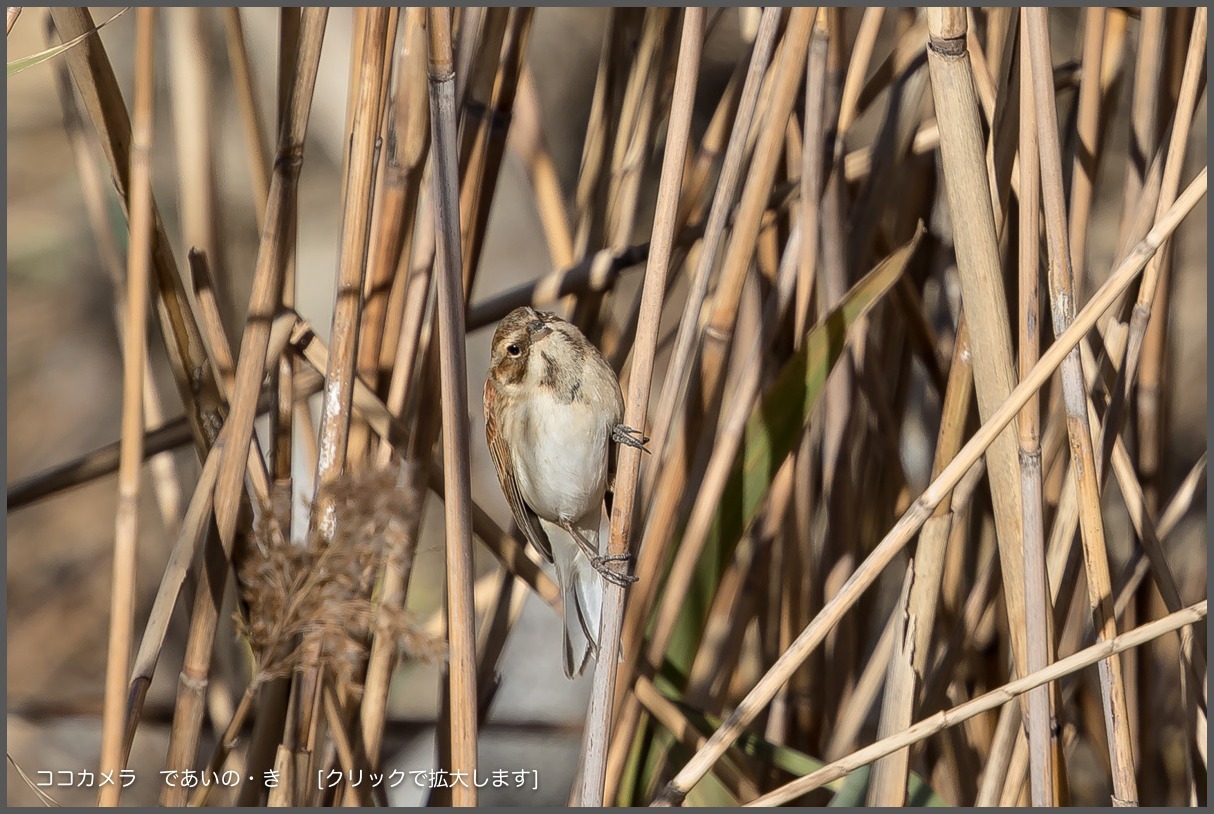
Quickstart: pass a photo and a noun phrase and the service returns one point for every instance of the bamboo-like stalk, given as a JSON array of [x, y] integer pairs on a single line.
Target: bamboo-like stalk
[[453, 379], [1144, 111], [193, 526], [893, 542], [1151, 368], [857, 68], [166, 478], [126, 521], [192, 114], [968, 188], [909, 661], [1151, 279], [102, 100], [249, 372], [486, 144], [1062, 299], [1042, 778], [527, 140], [986, 702], [598, 729], [656, 539], [1087, 147], [250, 113], [368, 75], [674, 388], [13, 13]]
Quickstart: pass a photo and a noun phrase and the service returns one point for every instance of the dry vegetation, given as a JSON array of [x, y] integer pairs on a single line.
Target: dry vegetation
[[907, 301]]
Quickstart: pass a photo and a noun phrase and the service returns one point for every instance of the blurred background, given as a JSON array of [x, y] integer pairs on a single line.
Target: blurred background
[[65, 372]]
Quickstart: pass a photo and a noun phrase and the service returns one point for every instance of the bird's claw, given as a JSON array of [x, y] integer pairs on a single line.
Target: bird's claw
[[630, 437], [614, 577]]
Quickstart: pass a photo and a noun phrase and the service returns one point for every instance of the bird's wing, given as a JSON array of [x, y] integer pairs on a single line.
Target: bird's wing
[[499, 451]]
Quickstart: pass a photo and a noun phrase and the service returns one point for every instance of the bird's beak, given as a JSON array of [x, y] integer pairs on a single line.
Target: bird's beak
[[538, 329]]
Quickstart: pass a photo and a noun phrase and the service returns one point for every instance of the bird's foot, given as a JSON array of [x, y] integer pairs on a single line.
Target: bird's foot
[[602, 565], [630, 437]]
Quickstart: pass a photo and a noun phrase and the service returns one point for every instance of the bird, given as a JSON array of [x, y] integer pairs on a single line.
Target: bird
[[553, 410]]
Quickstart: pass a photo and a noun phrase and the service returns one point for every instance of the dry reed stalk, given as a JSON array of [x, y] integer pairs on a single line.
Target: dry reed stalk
[[909, 660], [887, 783], [668, 714], [402, 187], [636, 130], [1152, 370], [1139, 509], [854, 714], [806, 597], [359, 184], [1062, 299], [368, 69], [674, 388], [134, 356], [165, 476], [594, 146], [893, 542], [250, 112], [484, 147], [284, 406], [395, 210], [984, 703], [1144, 111], [969, 197], [857, 68], [94, 77], [526, 139], [995, 773], [1153, 281], [696, 198], [599, 716], [249, 371], [657, 536], [1087, 138], [453, 380], [192, 114], [1044, 776], [813, 156], [11, 18], [908, 47]]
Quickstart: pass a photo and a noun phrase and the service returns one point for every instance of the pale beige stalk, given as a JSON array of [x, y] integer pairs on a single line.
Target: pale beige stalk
[[126, 521]]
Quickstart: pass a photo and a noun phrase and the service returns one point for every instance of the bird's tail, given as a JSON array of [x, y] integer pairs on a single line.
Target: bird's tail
[[582, 597]]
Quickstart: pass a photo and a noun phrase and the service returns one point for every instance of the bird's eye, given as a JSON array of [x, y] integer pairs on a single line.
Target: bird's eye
[[513, 350]]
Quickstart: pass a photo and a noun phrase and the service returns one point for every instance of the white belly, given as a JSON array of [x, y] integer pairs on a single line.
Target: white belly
[[562, 464]]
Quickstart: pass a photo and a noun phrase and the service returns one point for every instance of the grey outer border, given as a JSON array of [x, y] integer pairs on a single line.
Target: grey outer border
[[619, 4]]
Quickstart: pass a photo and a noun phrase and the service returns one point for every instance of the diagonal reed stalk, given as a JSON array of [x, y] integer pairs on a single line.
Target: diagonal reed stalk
[[102, 101], [453, 379], [986, 702], [597, 737], [897, 538], [126, 521]]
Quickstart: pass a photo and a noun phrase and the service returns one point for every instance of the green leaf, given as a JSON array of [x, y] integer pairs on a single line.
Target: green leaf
[[18, 65]]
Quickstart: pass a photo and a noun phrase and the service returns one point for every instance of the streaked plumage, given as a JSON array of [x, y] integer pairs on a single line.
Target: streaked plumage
[[552, 408]]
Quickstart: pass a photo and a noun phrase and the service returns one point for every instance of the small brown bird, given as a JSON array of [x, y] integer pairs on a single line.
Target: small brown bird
[[552, 408]]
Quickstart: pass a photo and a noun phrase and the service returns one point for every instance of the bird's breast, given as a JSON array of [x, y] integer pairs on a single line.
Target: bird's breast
[[560, 457]]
